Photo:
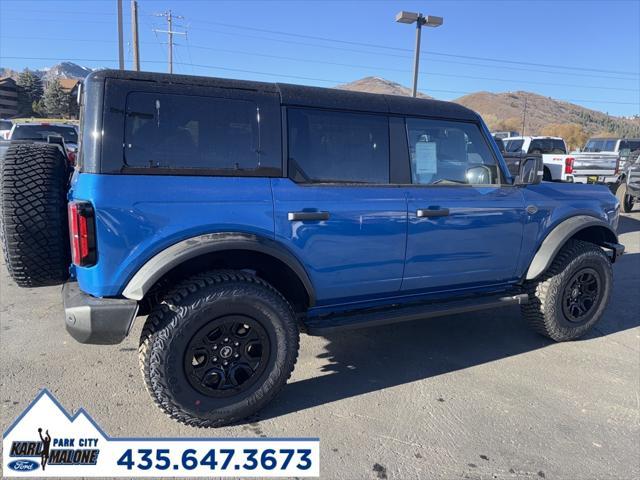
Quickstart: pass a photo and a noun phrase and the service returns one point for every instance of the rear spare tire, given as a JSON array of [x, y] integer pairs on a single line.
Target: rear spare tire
[[33, 214]]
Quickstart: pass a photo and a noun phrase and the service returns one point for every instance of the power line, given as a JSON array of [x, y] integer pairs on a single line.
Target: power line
[[378, 46], [297, 77], [386, 47], [377, 68]]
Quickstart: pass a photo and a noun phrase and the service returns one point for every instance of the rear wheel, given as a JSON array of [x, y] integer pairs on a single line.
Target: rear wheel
[[572, 295], [33, 214], [218, 348], [626, 201]]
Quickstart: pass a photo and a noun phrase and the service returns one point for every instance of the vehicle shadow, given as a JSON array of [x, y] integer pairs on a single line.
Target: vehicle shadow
[[367, 360], [628, 224]]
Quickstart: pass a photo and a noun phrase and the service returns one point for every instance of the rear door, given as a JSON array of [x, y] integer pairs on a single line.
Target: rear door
[[465, 225], [337, 210]]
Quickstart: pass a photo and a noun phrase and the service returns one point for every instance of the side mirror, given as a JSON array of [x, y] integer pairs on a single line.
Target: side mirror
[[531, 171], [478, 175]]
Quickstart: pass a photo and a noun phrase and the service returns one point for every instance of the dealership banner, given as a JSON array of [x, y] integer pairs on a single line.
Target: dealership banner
[[46, 441]]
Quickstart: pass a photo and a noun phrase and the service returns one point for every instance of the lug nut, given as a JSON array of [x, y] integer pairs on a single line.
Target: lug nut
[[215, 359], [215, 347], [236, 355], [235, 344], [225, 363], [226, 339]]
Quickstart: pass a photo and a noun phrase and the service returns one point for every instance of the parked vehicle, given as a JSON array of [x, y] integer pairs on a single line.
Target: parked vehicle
[[236, 214], [628, 188], [5, 128], [39, 132], [560, 166], [499, 144], [506, 134]]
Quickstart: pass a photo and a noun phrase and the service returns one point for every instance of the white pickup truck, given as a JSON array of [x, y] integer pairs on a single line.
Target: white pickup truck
[[576, 167]]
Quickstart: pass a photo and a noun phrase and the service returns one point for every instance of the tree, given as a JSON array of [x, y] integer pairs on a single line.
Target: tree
[[29, 91], [56, 100], [573, 134]]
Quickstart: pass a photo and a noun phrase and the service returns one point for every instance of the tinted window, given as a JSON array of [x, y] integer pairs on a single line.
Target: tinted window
[[194, 132], [601, 145], [449, 152], [5, 125], [547, 145], [513, 146], [41, 132], [630, 144], [338, 146]]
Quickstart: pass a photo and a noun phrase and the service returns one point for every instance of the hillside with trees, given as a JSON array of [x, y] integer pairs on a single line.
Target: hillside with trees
[[506, 111]]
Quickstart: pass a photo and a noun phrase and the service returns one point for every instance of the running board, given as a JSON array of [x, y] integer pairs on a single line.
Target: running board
[[396, 314]]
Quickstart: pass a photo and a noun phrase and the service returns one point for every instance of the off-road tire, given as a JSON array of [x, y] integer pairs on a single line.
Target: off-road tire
[[188, 307], [626, 201], [544, 312], [33, 214]]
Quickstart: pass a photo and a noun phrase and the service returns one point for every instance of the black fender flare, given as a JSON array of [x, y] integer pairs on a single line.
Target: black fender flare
[[559, 235], [172, 256]]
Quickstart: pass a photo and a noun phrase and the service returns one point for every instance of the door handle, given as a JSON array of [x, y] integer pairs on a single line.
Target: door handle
[[432, 212], [302, 216]]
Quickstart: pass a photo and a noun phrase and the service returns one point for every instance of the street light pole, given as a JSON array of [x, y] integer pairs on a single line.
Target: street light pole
[[416, 59], [420, 20]]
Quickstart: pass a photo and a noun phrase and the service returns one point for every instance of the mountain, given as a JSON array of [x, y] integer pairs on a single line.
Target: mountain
[[66, 70], [504, 111], [61, 70], [379, 85], [507, 109]]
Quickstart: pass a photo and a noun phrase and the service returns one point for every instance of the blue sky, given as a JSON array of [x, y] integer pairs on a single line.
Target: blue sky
[[584, 51]]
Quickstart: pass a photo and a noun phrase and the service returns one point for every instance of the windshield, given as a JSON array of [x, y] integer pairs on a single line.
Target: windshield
[[41, 132]]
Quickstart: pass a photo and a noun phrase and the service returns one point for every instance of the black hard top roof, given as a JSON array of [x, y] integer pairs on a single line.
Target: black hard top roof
[[304, 96]]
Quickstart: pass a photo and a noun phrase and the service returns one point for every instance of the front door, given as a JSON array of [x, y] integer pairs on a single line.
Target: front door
[[465, 225]]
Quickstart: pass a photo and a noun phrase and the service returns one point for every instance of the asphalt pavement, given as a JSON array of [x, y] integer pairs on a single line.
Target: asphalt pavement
[[469, 396]]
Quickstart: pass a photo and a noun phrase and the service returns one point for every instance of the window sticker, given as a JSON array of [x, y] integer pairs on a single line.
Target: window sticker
[[426, 158]]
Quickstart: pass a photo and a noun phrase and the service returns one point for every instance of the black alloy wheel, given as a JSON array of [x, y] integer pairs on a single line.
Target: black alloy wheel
[[227, 355]]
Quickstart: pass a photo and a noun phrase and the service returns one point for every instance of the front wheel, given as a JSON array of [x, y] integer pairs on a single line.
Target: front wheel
[[218, 348], [572, 295], [626, 200]]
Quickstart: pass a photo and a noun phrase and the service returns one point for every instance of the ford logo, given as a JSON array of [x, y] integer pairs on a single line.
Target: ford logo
[[23, 465]]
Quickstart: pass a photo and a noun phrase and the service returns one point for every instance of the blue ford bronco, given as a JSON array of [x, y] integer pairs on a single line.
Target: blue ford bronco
[[234, 215]]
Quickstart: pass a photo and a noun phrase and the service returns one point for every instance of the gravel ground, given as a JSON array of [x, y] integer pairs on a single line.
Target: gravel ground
[[466, 396]]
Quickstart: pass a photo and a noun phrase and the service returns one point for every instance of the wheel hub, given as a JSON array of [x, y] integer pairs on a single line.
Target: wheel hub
[[226, 355], [581, 295]]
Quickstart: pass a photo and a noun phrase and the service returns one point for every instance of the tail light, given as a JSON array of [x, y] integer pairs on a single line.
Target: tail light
[[617, 166], [72, 158], [82, 233], [568, 165]]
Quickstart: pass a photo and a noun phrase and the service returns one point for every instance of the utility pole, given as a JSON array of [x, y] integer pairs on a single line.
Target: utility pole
[[524, 115], [170, 33], [120, 39], [134, 33]]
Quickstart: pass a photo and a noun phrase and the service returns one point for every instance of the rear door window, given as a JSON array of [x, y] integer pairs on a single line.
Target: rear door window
[[167, 131], [330, 146], [447, 152]]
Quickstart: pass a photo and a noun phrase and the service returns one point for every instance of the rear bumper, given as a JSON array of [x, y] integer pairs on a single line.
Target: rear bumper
[[101, 321]]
